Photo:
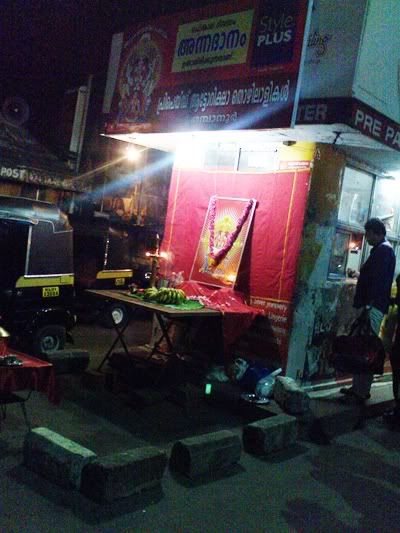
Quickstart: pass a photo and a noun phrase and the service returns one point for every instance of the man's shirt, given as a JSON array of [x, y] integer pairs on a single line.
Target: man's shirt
[[376, 277]]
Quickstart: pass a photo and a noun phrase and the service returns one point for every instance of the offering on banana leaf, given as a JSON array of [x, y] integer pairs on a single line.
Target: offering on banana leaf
[[165, 295]]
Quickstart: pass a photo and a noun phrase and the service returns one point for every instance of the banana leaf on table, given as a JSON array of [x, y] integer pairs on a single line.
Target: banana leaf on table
[[187, 305]]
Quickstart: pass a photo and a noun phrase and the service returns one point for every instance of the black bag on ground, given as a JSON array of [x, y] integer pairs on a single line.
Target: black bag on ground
[[360, 352]]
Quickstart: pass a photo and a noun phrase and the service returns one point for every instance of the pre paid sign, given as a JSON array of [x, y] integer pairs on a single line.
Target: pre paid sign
[[377, 126]]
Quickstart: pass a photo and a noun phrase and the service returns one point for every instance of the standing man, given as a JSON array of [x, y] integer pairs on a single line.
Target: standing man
[[373, 293]]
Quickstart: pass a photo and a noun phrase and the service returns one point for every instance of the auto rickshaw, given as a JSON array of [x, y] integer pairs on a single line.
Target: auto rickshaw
[[101, 261], [107, 256], [36, 274]]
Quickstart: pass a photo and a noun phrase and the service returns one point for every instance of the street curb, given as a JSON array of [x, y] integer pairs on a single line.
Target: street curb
[[119, 475], [205, 454], [334, 414], [55, 457], [270, 434]]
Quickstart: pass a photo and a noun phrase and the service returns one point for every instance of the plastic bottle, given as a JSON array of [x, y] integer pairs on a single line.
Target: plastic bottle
[[265, 386]]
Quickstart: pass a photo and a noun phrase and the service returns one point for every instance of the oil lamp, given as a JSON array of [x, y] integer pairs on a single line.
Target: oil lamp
[[4, 336], [155, 258]]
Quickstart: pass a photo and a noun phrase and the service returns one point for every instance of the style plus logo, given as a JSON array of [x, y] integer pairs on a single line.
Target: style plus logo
[[275, 32]]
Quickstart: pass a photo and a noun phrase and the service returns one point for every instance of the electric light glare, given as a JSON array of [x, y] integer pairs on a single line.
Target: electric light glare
[[132, 153]]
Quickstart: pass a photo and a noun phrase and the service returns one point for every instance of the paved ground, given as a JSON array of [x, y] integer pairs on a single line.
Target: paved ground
[[350, 485]]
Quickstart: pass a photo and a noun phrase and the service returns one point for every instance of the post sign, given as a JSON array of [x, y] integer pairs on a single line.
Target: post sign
[[232, 66], [23, 159]]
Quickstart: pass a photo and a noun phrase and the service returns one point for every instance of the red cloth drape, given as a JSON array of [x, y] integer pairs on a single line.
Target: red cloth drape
[[267, 273], [237, 316], [34, 374]]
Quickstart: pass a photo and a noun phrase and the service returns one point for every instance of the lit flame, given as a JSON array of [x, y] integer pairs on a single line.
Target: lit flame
[[162, 255]]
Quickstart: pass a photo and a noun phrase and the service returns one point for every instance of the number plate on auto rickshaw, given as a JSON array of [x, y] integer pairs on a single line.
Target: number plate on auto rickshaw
[[50, 292]]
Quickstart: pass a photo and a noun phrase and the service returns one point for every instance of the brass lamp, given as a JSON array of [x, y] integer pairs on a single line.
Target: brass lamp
[[154, 262], [4, 333], [4, 336]]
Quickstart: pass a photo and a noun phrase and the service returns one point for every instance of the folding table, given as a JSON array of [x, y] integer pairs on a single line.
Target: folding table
[[164, 315]]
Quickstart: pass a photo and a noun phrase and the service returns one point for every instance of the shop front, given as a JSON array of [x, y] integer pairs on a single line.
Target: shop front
[[268, 193], [353, 104], [28, 170]]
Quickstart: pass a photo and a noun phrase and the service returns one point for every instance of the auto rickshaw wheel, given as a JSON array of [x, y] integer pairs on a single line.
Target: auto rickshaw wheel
[[49, 339], [116, 312]]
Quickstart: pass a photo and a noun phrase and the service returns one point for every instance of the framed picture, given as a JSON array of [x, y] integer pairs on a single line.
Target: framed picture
[[222, 241]]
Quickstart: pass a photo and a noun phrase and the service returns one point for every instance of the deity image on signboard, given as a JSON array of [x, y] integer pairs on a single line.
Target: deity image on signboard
[[222, 241], [139, 75]]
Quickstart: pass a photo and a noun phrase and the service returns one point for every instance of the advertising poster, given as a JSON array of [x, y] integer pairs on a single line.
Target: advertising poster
[[222, 241], [233, 65]]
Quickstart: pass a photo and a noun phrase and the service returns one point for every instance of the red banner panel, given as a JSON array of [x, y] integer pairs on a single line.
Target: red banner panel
[[268, 268], [232, 66]]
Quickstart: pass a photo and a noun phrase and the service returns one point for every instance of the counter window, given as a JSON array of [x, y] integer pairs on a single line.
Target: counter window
[[221, 156], [355, 198], [346, 253], [258, 160], [363, 196], [386, 203]]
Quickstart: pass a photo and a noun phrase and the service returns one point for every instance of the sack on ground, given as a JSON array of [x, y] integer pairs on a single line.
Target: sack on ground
[[357, 354]]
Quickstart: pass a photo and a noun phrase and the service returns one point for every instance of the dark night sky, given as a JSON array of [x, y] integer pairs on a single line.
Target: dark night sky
[[48, 46]]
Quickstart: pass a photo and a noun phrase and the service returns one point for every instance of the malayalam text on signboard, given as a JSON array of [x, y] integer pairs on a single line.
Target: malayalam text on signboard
[[222, 66]]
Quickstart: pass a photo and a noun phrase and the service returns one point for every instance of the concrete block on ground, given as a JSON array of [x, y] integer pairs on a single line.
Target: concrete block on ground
[[336, 415], [146, 396], [330, 418], [205, 454], [93, 379], [290, 396], [69, 361], [270, 435], [55, 457], [190, 397], [122, 474]]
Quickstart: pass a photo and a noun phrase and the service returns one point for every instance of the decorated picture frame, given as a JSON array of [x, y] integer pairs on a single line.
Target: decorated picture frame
[[222, 241]]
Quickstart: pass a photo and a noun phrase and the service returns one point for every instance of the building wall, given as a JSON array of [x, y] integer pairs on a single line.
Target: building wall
[[320, 306], [267, 274]]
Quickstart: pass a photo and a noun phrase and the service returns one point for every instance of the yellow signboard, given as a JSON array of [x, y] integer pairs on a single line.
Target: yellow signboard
[[50, 292], [213, 42], [119, 281]]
